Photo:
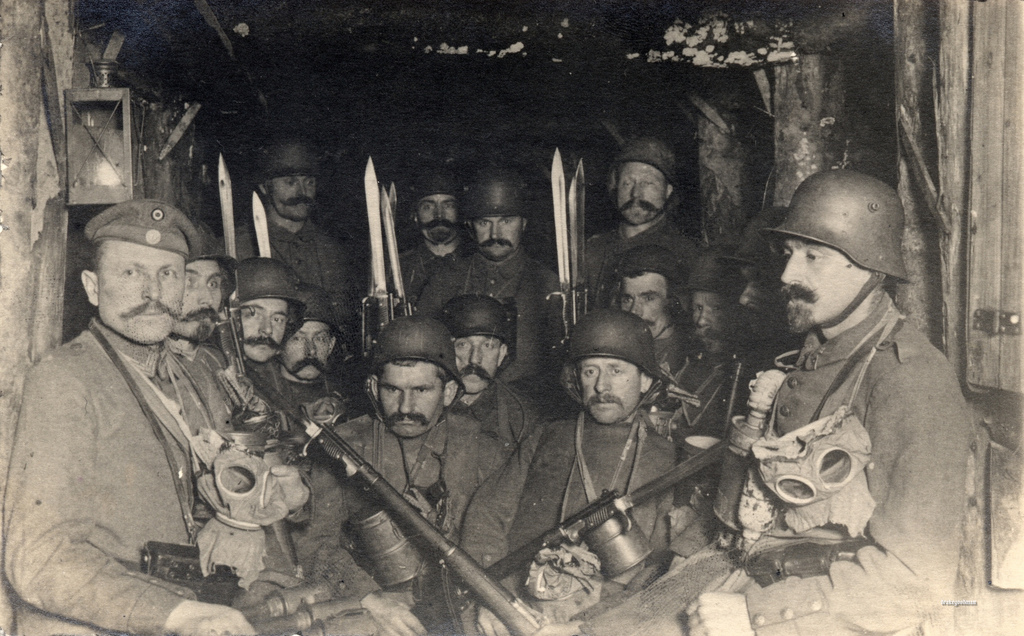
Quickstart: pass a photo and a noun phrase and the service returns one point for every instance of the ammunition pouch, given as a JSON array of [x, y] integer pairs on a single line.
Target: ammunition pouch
[[802, 559]]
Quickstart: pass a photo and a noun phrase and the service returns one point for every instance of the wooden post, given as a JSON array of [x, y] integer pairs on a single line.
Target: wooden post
[[921, 298], [808, 105], [952, 129], [168, 179], [723, 172], [20, 109]]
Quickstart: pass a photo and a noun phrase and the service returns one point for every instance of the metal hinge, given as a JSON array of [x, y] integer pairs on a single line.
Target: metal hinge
[[996, 323]]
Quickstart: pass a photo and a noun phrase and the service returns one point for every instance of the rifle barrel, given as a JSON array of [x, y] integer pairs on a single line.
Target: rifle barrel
[[503, 603]]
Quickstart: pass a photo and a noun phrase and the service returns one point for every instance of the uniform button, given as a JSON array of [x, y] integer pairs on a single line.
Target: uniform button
[[759, 620], [787, 614], [793, 382], [785, 411], [492, 282], [816, 606]]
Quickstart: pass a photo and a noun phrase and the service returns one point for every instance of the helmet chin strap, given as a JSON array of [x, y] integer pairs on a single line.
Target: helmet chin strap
[[869, 286]]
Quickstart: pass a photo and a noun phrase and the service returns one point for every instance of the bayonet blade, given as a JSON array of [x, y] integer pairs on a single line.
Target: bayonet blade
[[378, 278], [227, 206], [259, 220], [387, 219], [561, 229]]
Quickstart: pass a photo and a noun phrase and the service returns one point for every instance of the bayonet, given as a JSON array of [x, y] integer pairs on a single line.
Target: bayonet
[[377, 308], [227, 207], [577, 242], [259, 220], [387, 218]]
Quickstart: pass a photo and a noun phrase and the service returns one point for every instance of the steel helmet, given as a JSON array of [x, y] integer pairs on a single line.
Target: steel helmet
[[614, 333], [318, 306], [495, 193], [435, 182], [479, 315], [856, 214], [651, 151], [416, 338], [289, 157], [716, 273], [260, 277]]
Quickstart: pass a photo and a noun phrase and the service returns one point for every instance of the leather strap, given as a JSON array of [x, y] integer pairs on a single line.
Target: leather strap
[[184, 493]]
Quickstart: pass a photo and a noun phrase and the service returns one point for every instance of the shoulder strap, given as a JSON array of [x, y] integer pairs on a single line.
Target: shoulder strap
[[184, 492]]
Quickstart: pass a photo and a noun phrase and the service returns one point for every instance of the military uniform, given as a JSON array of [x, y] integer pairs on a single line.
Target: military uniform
[[913, 410], [503, 413], [419, 265], [605, 250], [520, 277], [318, 259], [455, 451], [89, 485], [527, 498], [203, 363]]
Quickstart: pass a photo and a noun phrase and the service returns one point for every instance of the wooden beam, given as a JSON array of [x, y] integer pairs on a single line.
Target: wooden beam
[[952, 118], [20, 109], [179, 130], [113, 46], [921, 298]]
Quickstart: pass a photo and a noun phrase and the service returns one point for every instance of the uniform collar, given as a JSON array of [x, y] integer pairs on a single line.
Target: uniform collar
[[506, 269], [657, 227], [146, 357], [817, 351]]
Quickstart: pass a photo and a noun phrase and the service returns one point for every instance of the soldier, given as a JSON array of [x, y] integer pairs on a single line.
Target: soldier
[[485, 336], [436, 458], [436, 217], [209, 279], [641, 183], [299, 372], [497, 216], [651, 285], [568, 464], [101, 461], [289, 182], [868, 394]]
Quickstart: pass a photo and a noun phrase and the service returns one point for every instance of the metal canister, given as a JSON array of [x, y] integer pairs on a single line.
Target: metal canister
[[619, 543], [383, 550]]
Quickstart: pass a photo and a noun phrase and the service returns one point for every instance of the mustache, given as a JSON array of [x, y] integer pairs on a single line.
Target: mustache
[[153, 306], [640, 203], [398, 418], [308, 362], [477, 370], [496, 241], [206, 313], [261, 340], [298, 200], [603, 398], [795, 291], [436, 223]]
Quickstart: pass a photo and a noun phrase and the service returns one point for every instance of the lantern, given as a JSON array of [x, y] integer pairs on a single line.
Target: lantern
[[99, 134]]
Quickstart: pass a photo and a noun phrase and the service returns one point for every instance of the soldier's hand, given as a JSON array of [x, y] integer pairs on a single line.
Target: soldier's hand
[[489, 623], [192, 618], [719, 614], [392, 611], [295, 492]]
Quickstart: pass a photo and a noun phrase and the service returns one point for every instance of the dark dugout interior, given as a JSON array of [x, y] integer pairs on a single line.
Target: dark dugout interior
[[467, 84]]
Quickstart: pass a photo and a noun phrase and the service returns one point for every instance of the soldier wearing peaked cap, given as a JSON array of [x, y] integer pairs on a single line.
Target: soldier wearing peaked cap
[[102, 459], [437, 458], [498, 214], [641, 183], [436, 217], [610, 370]]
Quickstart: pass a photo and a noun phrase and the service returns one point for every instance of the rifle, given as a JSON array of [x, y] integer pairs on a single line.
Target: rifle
[[609, 504], [503, 603], [569, 242], [378, 307]]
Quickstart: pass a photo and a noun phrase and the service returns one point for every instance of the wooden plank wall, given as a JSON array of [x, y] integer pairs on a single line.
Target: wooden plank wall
[[997, 170]]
